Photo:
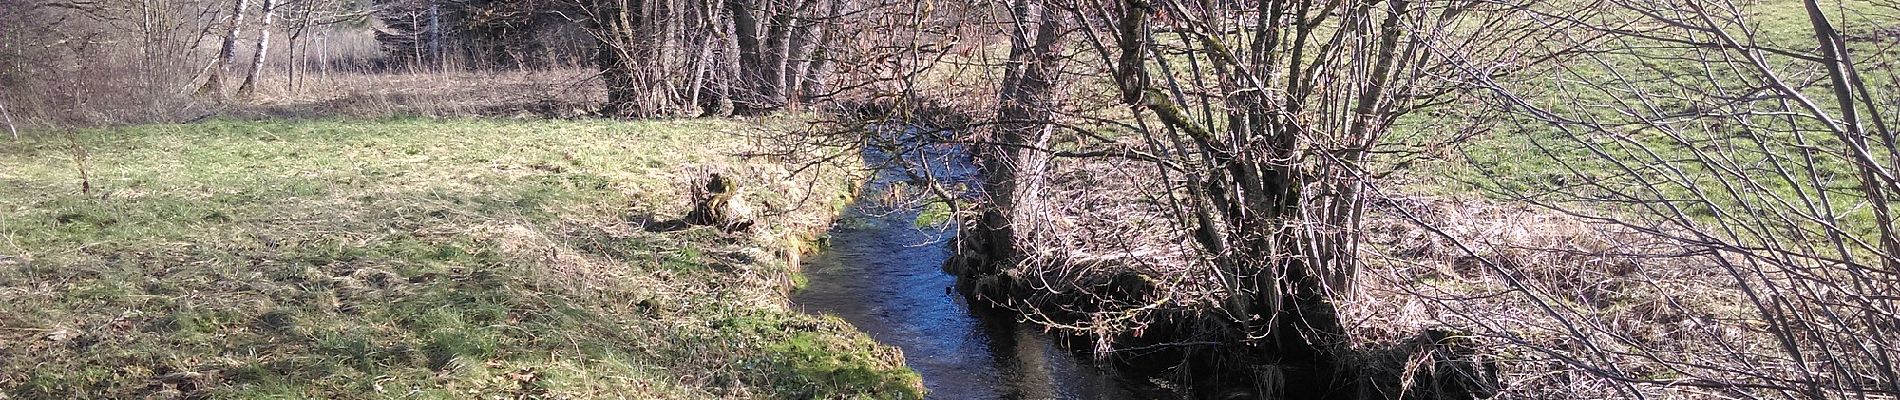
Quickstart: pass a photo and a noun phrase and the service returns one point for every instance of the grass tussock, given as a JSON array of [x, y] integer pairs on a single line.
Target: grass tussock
[[413, 259]]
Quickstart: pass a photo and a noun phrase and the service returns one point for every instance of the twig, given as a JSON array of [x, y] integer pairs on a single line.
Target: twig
[[80, 156]]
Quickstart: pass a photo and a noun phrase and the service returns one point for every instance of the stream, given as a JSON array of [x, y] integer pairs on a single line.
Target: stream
[[883, 273]]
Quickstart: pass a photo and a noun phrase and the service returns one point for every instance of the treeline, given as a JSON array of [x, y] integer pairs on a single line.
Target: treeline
[[156, 60], [682, 57], [480, 34], [656, 57], [737, 56], [77, 63]]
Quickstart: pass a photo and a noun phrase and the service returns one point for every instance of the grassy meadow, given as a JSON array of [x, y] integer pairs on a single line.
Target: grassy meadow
[[1666, 82], [411, 258]]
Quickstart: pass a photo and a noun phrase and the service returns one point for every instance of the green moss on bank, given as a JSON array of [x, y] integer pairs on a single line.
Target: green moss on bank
[[406, 258]]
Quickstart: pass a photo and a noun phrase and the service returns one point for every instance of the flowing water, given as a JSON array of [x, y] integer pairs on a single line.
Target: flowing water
[[883, 273]]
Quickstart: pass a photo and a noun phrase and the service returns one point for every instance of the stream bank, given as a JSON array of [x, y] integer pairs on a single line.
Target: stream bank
[[882, 271]]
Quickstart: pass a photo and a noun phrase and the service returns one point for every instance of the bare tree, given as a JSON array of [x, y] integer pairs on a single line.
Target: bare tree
[[1273, 163], [258, 53], [664, 57], [819, 55], [633, 39], [299, 26], [103, 62], [775, 39], [227, 51], [1257, 124], [1768, 157], [8, 117], [1024, 118]]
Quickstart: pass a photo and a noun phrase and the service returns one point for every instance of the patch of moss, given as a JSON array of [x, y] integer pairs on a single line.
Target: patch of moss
[[935, 214], [833, 367]]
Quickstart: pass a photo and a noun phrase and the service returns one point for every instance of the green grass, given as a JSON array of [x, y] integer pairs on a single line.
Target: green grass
[[1521, 156], [406, 258]]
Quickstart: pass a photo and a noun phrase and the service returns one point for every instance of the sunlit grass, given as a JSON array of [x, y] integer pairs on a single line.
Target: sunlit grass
[[403, 258]]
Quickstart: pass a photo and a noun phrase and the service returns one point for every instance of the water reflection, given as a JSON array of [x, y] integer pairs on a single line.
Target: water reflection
[[883, 273]]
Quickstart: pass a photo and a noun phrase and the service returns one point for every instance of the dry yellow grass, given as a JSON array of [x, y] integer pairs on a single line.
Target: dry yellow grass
[[556, 93], [1521, 287]]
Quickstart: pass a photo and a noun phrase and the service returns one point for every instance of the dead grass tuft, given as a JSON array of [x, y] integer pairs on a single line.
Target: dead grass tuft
[[1546, 296], [556, 93]]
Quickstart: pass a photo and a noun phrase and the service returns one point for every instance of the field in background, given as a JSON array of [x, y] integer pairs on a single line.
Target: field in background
[[1502, 157], [409, 258], [555, 93], [1457, 243], [63, 68]]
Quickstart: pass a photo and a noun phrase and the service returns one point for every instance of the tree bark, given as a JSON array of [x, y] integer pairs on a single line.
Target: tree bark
[[751, 74], [808, 36], [798, 48], [812, 84], [715, 56], [615, 25], [641, 80], [4, 115], [713, 85], [249, 88], [1036, 45], [227, 50], [1275, 219], [771, 51], [296, 43], [776, 54]]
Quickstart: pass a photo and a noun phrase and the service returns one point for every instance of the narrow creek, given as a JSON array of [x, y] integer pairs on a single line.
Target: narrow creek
[[883, 273]]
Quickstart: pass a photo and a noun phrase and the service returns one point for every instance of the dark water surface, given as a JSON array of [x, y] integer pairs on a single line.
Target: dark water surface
[[883, 273]]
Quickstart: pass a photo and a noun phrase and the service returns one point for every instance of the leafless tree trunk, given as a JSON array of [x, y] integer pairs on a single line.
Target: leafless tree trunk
[[434, 37], [249, 88], [1259, 119], [714, 69], [627, 57], [799, 45], [818, 66], [295, 43], [227, 51], [662, 57], [1277, 197], [773, 50], [8, 117], [752, 58], [653, 54], [1024, 114], [778, 29]]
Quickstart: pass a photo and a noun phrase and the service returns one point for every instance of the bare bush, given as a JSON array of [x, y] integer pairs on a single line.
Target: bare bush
[[100, 62], [1767, 159]]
